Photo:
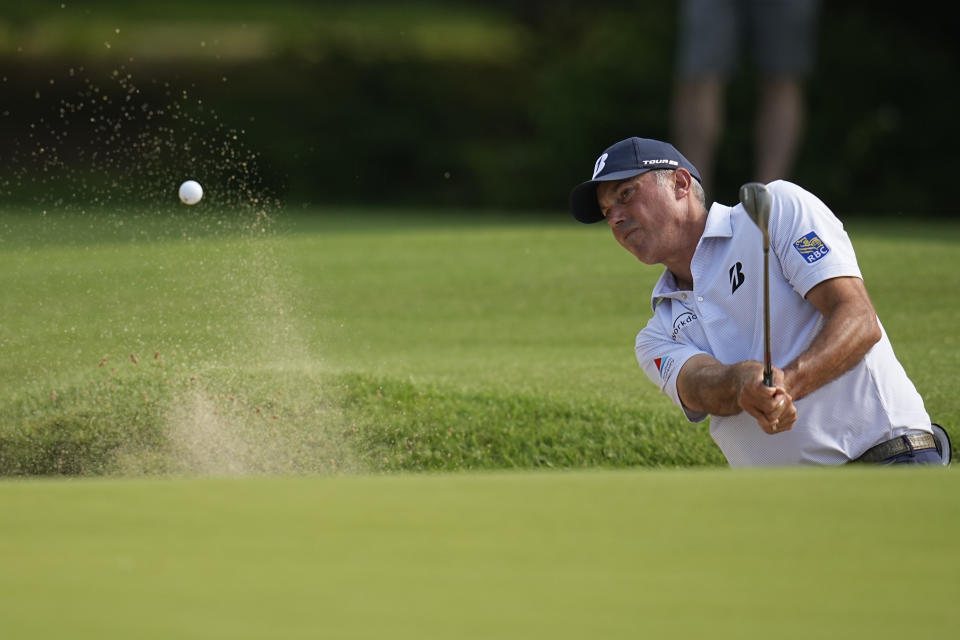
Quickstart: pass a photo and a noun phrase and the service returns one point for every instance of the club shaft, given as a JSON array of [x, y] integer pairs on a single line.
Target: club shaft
[[756, 202], [767, 357]]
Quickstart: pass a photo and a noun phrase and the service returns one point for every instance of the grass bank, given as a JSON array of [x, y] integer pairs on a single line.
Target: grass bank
[[356, 340]]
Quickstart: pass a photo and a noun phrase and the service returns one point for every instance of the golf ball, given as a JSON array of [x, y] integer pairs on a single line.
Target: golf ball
[[191, 192]]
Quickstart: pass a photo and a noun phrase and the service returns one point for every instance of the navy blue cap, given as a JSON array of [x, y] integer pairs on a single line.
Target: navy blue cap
[[625, 159]]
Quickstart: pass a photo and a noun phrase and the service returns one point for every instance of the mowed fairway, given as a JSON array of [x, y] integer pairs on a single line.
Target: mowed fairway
[[714, 554], [243, 389]]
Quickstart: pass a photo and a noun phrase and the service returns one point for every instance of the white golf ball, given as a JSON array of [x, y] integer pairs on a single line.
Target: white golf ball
[[191, 192]]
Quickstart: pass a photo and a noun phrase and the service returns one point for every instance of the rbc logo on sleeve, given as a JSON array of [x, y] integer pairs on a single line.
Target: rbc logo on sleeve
[[811, 247]]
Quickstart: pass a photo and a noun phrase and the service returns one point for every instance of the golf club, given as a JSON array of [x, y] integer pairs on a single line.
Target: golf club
[[756, 201]]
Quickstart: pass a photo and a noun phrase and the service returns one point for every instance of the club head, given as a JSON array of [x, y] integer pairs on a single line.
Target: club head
[[756, 201]]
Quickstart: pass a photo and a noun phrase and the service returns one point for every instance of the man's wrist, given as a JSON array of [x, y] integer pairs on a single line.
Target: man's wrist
[[793, 380]]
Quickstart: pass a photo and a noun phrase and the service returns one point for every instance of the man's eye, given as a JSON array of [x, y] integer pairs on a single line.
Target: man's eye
[[626, 194]]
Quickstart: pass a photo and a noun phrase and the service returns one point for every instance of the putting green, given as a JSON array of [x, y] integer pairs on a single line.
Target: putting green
[[715, 553]]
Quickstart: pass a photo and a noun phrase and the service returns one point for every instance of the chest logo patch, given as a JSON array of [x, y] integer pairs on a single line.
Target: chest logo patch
[[811, 247], [736, 277]]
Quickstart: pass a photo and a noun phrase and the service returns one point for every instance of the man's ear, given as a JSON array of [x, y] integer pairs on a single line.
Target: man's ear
[[683, 182]]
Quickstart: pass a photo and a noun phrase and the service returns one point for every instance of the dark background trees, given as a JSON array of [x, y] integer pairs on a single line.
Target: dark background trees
[[477, 104]]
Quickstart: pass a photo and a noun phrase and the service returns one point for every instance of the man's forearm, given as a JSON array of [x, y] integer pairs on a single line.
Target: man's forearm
[[846, 337], [709, 386], [850, 329]]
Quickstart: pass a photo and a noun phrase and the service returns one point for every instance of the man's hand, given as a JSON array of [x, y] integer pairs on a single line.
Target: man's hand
[[772, 407], [707, 385]]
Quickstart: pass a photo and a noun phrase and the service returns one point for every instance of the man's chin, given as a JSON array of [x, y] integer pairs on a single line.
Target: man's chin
[[643, 257], [636, 250]]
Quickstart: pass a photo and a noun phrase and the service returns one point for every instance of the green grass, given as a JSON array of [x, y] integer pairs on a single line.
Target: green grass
[[840, 553], [296, 364], [365, 341]]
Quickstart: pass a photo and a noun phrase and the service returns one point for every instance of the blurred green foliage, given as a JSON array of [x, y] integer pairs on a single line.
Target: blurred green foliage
[[494, 103]]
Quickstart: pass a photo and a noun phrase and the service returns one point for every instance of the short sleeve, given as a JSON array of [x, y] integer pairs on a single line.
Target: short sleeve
[[808, 238], [661, 358]]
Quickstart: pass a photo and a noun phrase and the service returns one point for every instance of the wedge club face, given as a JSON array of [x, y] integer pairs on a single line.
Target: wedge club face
[[756, 201]]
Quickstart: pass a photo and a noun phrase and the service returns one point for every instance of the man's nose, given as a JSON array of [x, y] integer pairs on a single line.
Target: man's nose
[[615, 215]]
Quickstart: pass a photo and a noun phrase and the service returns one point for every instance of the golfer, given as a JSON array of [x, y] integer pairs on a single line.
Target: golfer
[[839, 393]]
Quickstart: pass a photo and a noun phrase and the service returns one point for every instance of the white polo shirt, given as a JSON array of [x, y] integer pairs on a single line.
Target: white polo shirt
[[723, 316]]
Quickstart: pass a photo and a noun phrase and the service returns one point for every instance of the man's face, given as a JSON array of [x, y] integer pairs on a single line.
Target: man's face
[[641, 213]]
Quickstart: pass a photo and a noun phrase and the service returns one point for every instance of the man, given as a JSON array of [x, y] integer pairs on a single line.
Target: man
[[840, 394], [781, 36]]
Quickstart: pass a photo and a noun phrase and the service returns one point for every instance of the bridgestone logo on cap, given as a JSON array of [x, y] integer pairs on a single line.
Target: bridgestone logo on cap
[[672, 163], [598, 167]]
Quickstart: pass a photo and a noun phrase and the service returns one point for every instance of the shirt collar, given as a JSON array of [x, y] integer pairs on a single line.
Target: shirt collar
[[718, 226], [718, 222]]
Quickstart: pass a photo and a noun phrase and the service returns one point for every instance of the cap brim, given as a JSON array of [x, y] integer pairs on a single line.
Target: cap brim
[[583, 197]]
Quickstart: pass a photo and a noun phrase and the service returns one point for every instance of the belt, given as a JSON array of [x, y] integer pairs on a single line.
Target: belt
[[916, 441]]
